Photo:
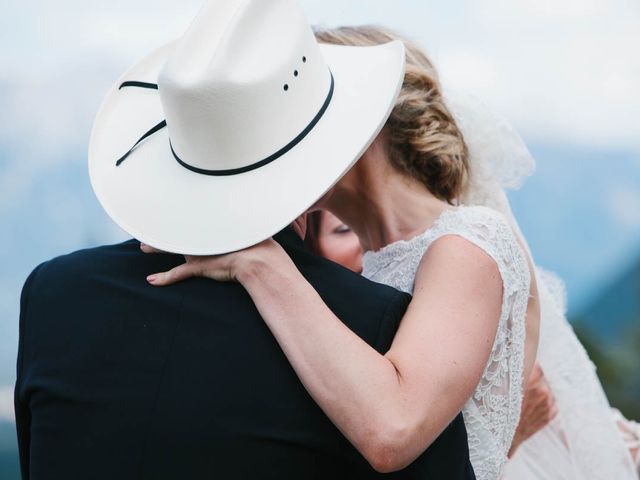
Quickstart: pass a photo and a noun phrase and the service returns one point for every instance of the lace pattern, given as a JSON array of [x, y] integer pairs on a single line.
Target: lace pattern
[[492, 414]]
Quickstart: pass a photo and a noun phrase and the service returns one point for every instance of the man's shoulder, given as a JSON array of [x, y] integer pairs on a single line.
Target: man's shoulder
[[93, 254], [77, 264]]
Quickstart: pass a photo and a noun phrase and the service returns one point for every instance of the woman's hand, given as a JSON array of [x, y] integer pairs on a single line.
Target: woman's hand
[[237, 266], [538, 408]]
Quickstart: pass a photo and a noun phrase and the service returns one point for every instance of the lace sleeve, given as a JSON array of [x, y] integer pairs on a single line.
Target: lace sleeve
[[492, 414]]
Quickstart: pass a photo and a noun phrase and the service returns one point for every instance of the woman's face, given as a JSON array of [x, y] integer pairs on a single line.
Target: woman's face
[[338, 243]]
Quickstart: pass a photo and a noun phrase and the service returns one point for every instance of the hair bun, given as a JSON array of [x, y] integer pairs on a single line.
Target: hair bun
[[424, 139]]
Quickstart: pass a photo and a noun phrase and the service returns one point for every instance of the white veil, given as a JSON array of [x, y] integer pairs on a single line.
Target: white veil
[[583, 441]]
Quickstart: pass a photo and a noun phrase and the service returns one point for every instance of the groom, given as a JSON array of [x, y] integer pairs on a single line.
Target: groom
[[121, 380]]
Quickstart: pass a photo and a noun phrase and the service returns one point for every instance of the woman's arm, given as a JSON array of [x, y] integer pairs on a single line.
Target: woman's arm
[[392, 406]]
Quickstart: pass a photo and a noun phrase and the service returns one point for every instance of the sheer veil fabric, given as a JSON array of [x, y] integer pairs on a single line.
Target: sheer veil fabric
[[583, 441]]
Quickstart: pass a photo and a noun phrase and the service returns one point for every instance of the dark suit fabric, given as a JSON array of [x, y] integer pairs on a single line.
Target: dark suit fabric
[[121, 380]]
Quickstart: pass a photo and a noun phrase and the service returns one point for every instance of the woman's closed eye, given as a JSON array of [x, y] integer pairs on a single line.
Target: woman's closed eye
[[341, 229]]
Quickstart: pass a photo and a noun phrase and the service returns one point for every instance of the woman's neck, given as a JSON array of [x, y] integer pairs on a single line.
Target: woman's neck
[[382, 205]]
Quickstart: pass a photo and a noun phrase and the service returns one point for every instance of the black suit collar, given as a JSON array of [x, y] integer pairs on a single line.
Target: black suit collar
[[289, 237]]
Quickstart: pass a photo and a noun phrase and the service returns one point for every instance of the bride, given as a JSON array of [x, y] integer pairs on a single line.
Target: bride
[[463, 343], [586, 439]]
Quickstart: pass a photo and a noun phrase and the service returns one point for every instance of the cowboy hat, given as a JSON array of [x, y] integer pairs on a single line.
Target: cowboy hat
[[218, 140]]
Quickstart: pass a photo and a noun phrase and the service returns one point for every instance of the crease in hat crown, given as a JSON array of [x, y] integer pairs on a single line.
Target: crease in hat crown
[[235, 56]]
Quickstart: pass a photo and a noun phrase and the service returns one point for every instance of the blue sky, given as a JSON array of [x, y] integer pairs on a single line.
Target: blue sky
[[565, 72]]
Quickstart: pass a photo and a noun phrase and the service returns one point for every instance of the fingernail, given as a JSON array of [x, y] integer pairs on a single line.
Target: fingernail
[[152, 278]]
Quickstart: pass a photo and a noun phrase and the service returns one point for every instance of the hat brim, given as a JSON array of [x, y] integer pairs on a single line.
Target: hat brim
[[161, 203]]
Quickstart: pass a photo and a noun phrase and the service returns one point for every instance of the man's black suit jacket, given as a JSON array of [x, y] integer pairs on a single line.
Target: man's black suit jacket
[[120, 380]]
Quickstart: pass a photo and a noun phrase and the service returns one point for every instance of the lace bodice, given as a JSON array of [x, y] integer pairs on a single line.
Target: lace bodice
[[491, 415]]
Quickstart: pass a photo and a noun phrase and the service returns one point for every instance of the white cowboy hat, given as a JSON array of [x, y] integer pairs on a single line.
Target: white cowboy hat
[[253, 121]]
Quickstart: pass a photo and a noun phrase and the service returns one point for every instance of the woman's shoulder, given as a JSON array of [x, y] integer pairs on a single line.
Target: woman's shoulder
[[473, 231], [483, 226]]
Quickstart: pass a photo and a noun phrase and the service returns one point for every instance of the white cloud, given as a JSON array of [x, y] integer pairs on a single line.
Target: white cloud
[[469, 70], [45, 123], [564, 71], [549, 10]]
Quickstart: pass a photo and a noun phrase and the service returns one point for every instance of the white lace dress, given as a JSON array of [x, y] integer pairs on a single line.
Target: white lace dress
[[491, 415]]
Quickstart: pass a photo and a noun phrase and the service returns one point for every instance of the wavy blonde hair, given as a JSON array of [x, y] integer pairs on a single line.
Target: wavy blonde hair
[[424, 140]]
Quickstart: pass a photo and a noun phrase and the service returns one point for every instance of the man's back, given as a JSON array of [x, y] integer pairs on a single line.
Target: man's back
[[119, 379]]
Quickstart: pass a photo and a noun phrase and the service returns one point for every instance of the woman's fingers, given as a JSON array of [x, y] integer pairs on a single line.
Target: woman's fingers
[[538, 407], [213, 267], [176, 274], [149, 249], [542, 418], [223, 268], [541, 411], [536, 374]]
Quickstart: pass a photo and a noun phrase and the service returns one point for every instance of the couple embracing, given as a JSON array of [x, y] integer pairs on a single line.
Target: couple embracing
[[214, 345]]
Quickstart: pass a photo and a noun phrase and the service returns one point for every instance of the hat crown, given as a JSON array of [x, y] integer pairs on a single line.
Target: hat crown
[[242, 83]]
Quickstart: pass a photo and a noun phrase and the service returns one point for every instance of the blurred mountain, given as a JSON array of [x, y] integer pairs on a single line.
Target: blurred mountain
[[609, 328], [580, 212], [616, 308], [617, 365]]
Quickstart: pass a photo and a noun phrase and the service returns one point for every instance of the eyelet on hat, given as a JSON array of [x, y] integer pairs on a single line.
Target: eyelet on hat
[[286, 87]]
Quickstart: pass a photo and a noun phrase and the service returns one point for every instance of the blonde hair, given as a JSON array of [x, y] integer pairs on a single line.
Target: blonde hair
[[424, 140]]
